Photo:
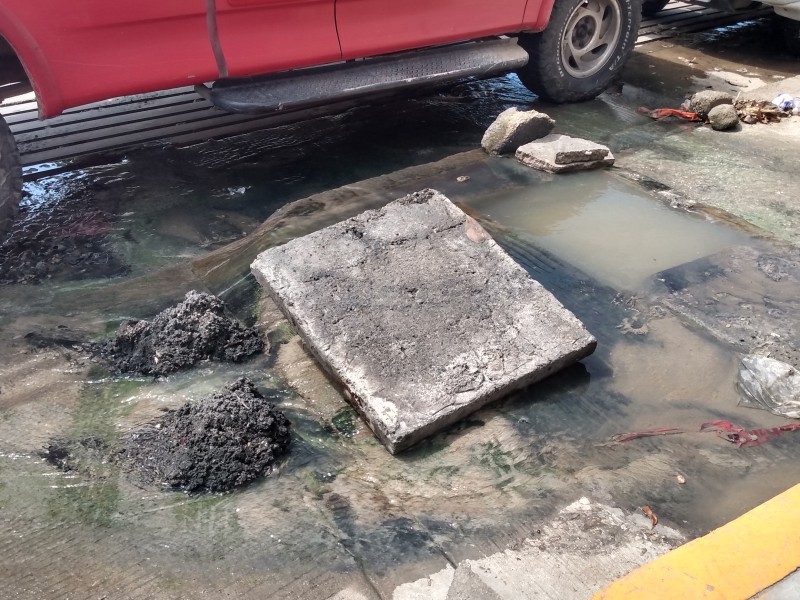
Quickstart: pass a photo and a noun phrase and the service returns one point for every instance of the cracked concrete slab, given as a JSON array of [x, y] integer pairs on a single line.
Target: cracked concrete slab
[[419, 315], [583, 548]]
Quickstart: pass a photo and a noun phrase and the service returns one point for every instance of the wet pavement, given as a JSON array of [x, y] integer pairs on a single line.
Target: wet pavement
[[671, 295]]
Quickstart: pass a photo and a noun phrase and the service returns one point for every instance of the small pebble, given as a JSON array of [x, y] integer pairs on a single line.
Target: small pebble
[[681, 479], [462, 178]]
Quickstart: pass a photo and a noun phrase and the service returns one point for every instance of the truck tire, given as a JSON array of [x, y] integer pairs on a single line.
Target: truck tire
[[583, 48], [651, 7], [10, 178]]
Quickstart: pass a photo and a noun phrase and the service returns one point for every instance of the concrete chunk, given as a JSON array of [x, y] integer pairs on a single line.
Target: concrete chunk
[[558, 153], [419, 314], [513, 127], [702, 102]]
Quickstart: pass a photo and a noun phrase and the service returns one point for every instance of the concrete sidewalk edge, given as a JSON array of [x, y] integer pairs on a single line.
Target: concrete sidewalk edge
[[736, 561]]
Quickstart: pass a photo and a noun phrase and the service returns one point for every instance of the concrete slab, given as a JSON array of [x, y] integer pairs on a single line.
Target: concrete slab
[[571, 557], [419, 315], [742, 296], [556, 153], [789, 85]]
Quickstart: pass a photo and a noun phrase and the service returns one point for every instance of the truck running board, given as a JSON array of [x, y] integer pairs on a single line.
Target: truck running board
[[339, 85]]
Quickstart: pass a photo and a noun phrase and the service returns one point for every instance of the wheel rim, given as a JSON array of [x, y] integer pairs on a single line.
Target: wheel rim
[[590, 37]]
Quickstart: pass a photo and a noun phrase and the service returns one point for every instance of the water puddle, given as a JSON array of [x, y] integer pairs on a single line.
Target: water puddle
[[607, 227]]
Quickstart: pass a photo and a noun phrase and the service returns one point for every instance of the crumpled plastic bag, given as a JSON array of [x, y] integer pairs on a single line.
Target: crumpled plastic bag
[[783, 101], [769, 384]]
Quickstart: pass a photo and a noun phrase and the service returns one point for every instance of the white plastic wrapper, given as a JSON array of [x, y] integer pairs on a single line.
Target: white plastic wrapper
[[783, 101], [769, 384]]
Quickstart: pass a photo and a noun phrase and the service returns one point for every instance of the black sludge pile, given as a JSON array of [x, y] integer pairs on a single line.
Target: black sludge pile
[[196, 329], [214, 444]]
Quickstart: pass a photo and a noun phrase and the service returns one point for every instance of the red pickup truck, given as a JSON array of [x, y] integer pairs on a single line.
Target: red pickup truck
[[298, 58]]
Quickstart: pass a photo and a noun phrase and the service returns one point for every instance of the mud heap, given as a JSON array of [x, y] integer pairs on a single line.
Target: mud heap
[[194, 330], [213, 445]]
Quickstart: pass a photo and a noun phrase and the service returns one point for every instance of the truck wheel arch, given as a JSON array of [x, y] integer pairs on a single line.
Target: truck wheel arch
[[33, 61]]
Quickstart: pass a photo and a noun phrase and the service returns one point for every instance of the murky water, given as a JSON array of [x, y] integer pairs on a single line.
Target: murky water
[[341, 512], [606, 227]]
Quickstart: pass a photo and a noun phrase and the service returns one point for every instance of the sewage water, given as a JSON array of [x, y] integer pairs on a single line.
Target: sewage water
[[340, 512], [607, 227]]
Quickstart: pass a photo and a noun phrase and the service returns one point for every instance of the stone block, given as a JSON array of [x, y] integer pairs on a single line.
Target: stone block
[[513, 128], [558, 153], [419, 315]]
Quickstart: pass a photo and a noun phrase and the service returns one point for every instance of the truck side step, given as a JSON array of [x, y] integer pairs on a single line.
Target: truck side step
[[341, 83]]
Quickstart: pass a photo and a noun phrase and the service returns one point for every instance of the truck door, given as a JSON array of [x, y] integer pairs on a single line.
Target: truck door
[[259, 36], [368, 27]]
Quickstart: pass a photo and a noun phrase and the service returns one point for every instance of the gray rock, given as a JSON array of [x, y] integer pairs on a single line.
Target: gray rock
[[513, 128], [419, 315], [723, 117], [703, 102], [558, 153]]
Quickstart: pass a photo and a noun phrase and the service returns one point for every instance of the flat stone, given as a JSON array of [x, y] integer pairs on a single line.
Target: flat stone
[[513, 127], [558, 153], [568, 150], [419, 315]]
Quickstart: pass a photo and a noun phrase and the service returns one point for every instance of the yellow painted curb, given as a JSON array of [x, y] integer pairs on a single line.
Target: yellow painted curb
[[734, 562]]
